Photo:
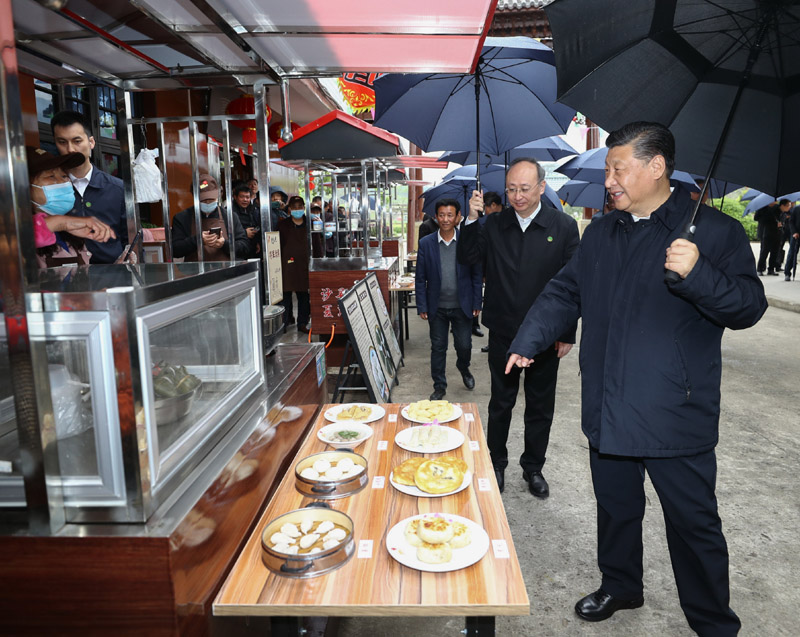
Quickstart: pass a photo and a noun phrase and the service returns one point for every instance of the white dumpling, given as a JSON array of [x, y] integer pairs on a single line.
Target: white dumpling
[[305, 526], [290, 530], [321, 466], [281, 538], [330, 544], [357, 468], [315, 550], [345, 464], [324, 527], [334, 473], [282, 548], [336, 534], [292, 549], [309, 473], [308, 540]]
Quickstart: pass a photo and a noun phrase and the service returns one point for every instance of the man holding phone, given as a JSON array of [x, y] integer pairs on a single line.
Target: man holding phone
[[215, 232]]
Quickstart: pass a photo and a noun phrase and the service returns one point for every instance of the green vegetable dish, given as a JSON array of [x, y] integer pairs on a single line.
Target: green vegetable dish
[[344, 435], [170, 381]]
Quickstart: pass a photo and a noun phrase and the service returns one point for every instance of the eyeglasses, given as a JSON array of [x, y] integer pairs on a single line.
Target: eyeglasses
[[524, 190]]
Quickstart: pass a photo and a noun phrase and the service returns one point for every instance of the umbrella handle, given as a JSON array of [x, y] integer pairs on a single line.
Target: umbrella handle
[[672, 277]]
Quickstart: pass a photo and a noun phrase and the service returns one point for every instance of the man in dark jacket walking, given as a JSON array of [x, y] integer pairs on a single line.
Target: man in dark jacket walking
[[770, 229], [650, 368], [520, 249], [794, 242]]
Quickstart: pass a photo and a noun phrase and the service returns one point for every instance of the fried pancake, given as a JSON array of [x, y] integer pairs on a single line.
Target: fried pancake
[[433, 476], [434, 553], [411, 533], [460, 464], [434, 530], [461, 535], [404, 472]]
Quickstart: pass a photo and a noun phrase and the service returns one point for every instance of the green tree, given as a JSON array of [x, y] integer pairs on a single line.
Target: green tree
[[733, 206]]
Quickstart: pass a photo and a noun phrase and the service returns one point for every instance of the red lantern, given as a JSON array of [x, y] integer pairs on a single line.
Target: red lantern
[[246, 105], [274, 130]]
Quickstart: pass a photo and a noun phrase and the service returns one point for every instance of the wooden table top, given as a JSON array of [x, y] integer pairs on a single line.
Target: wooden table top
[[377, 584]]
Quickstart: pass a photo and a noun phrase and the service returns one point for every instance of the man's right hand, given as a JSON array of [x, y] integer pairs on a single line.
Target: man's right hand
[[251, 232], [475, 204], [209, 239], [423, 316], [796, 235], [518, 361]]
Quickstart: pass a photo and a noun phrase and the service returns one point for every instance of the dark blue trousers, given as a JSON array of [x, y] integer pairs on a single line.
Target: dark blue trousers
[[791, 258], [697, 548], [439, 325]]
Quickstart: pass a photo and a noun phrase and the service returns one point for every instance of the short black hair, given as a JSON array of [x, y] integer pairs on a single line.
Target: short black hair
[[448, 202], [295, 200], [240, 187], [284, 197], [783, 202], [490, 198], [530, 160], [316, 210], [648, 139], [68, 118]]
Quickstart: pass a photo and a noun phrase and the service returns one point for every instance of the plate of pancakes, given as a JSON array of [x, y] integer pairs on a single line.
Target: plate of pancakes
[[428, 411], [427, 478], [355, 412], [437, 542]]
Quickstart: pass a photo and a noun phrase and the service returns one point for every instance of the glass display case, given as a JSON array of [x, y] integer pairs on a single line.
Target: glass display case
[[149, 367]]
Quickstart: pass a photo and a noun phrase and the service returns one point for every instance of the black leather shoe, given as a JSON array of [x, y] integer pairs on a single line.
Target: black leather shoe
[[485, 349], [501, 482], [600, 605], [536, 483], [438, 394], [469, 379], [761, 273], [477, 331], [788, 277]]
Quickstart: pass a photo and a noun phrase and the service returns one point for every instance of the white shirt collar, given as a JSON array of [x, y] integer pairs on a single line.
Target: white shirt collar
[[80, 183], [441, 240], [524, 223], [638, 219]]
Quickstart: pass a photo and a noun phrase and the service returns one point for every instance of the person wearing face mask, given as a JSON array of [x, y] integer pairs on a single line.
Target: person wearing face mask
[[294, 253], [216, 235], [277, 205], [58, 236]]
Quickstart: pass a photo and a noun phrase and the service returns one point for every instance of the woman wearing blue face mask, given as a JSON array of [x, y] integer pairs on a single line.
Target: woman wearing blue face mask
[[57, 235], [294, 257], [215, 234]]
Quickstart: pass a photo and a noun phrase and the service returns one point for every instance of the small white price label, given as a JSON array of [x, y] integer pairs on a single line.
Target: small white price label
[[364, 549], [483, 484], [473, 445], [500, 548], [469, 417], [392, 417], [378, 482], [383, 445]]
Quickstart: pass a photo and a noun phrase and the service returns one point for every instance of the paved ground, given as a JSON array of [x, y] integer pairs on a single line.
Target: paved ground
[[758, 458]]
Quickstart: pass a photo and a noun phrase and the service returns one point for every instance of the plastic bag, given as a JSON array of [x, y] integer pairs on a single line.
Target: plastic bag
[[147, 185]]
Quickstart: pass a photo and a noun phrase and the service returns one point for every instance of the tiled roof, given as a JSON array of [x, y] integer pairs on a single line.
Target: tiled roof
[[511, 5]]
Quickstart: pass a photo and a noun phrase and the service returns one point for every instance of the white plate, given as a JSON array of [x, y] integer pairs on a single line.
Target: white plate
[[456, 414], [365, 432], [406, 554], [404, 488], [377, 413], [454, 440]]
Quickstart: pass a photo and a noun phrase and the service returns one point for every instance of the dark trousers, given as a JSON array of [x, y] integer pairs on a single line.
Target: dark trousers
[[439, 325], [791, 258], [540, 400], [697, 547], [303, 307], [770, 247]]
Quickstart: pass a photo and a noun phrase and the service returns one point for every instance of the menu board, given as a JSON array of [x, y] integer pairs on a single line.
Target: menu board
[[272, 245], [389, 337], [376, 331], [361, 340]]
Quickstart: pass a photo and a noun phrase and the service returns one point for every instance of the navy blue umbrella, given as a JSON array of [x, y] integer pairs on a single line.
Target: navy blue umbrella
[[550, 148], [764, 199], [583, 193], [511, 98]]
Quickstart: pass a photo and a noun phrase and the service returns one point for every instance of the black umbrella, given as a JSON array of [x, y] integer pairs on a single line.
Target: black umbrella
[[723, 76]]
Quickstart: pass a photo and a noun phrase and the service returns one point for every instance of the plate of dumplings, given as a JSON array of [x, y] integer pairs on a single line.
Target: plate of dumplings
[[437, 542]]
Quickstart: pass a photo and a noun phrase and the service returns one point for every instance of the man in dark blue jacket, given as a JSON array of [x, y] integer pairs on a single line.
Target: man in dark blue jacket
[[97, 194], [650, 369], [448, 293]]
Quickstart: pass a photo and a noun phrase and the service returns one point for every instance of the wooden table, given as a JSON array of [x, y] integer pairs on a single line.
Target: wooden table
[[378, 585]]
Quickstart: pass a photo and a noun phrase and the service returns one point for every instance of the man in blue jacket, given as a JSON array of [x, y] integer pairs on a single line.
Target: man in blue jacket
[[97, 194], [650, 369], [448, 294]]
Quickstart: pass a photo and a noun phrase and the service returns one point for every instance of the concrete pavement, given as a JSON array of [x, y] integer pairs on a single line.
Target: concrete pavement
[[759, 500]]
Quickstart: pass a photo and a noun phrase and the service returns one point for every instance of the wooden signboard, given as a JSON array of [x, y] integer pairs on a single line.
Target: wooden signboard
[[361, 340], [389, 339]]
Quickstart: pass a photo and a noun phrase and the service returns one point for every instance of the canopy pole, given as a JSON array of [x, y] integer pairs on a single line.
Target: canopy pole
[[478, 122]]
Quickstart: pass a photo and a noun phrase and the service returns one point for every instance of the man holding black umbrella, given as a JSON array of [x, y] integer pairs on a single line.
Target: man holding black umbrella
[[520, 248], [651, 365]]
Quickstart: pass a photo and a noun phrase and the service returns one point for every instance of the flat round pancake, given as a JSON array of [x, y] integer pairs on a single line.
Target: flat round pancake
[[434, 553], [433, 476], [462, 536], [458, 463], [435, 530], [404, 472]]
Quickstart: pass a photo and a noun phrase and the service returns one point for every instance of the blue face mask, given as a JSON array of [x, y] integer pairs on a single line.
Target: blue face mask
[[59, 198], [328, 235], [298, 214], [208, 207]]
